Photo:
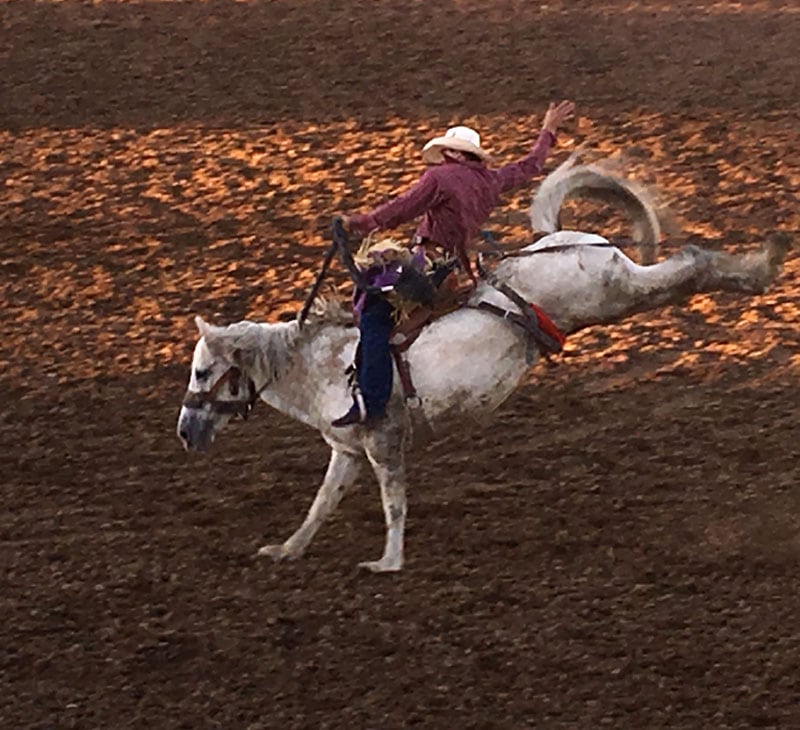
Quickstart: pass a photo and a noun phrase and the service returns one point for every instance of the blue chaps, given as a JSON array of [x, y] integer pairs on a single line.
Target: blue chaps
[[374, 361]]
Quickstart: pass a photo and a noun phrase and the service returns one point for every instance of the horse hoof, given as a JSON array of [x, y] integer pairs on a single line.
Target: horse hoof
[[778, 246], [276, 552], [381, 566]]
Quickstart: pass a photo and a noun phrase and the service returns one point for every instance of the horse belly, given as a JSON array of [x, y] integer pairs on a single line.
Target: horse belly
[[466, 365]]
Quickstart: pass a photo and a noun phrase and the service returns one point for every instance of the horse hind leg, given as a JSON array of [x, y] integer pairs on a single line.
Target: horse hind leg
[[695, 270], [752, 272], [342, 471]]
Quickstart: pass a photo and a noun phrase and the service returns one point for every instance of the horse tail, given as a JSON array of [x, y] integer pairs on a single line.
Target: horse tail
[[572, 181]]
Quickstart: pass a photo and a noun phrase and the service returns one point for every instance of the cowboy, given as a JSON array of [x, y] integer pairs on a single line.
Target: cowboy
[[454, 196]]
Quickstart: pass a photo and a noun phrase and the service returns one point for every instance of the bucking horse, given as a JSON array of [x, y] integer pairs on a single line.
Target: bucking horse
[[462, 365]]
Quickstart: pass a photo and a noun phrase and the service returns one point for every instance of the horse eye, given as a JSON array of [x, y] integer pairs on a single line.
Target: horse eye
[[201, 374]]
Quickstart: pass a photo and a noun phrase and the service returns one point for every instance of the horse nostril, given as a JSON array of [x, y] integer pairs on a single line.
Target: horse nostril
[[184, 435]]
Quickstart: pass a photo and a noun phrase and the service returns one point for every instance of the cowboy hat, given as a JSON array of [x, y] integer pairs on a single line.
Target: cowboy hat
[[462, 139]]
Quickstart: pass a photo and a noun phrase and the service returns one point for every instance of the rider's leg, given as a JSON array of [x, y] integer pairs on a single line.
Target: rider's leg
[[375, 370]]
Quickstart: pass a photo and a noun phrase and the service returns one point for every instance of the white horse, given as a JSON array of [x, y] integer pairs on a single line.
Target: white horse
[[463, 365]]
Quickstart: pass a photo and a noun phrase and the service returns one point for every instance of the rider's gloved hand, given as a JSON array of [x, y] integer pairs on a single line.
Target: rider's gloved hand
[[414, 285]]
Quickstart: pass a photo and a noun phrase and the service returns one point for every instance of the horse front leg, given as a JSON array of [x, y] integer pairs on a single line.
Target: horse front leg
[[342, 471], [386, 453]]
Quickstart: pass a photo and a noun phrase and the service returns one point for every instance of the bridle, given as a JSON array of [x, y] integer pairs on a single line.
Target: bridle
[[232, 376]]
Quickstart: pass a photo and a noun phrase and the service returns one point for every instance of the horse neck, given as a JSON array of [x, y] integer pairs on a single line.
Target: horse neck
[[295, 384]]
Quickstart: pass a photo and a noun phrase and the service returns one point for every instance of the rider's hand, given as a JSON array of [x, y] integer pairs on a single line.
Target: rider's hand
[[557, 114]]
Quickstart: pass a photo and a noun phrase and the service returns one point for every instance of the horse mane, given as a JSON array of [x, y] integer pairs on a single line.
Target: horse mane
[[272, 343], [270, 348], [330, 312]]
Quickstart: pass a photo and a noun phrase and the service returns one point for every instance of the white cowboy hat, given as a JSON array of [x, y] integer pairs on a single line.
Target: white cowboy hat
[[462, 139]]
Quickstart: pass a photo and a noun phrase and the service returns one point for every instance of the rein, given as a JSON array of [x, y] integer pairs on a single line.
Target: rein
[[340, 243], [197, 399]]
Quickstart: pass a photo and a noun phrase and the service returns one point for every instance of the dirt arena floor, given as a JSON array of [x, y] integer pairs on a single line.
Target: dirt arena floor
[[620, 550]]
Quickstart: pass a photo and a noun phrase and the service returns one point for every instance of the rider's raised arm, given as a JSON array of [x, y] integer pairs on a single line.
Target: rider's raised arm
[[401, 209], [520, 172]]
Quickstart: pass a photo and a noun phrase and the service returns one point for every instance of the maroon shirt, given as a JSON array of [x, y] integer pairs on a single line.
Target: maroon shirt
[[455, 197]]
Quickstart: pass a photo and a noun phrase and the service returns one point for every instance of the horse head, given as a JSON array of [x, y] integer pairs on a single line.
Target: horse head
[[220, 382]]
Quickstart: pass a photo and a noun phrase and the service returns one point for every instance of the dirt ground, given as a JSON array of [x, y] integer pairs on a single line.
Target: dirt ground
[[620, 550]]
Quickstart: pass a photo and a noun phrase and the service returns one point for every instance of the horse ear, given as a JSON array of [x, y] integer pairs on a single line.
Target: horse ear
[[203, 327], [210, 333]]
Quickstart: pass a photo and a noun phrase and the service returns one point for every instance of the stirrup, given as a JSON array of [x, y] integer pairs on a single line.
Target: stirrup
[[356, 415]]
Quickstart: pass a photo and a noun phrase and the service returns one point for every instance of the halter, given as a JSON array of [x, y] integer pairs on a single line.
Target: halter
[[233, 376]]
